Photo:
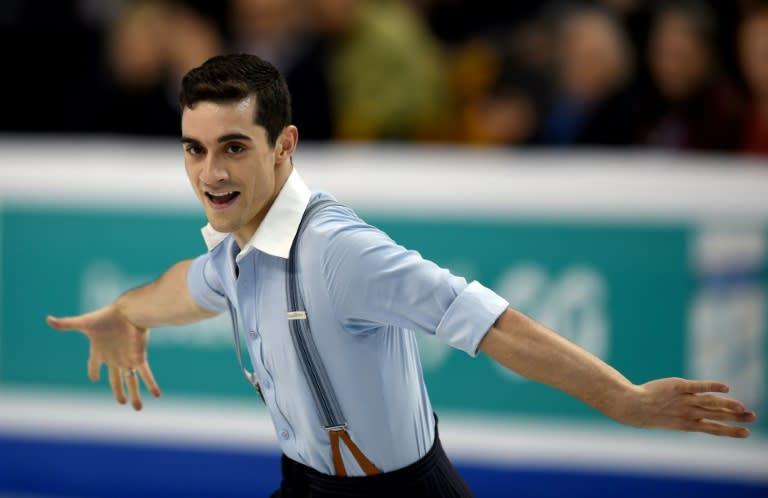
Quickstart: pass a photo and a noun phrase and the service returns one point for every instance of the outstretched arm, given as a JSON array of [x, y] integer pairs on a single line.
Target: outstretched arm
[[530, 349], [119, 332]]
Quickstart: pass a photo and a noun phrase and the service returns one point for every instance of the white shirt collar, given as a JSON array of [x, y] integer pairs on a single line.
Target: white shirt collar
[[276, 233]]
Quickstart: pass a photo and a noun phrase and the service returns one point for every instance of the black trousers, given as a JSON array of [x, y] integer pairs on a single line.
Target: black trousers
[[434, 476]]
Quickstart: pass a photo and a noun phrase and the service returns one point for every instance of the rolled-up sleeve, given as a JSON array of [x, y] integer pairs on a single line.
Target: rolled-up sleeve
[[205, 286], [470, 316], [373, 281]]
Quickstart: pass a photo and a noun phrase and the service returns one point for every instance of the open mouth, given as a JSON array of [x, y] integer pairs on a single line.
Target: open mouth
[[223, 198]]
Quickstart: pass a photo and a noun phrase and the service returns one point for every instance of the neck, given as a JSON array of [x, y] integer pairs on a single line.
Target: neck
[[245, 234]]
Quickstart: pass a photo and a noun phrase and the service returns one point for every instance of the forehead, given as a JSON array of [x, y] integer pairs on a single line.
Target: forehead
[[210, 119]]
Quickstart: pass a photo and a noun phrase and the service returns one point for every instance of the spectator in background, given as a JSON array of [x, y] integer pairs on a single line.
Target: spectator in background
[[591, 101], [496, 52], [386, 70], [277, 30], [753, 51], [478, 72], [693, 106], [634, 16], [500, 80], [150, 46]]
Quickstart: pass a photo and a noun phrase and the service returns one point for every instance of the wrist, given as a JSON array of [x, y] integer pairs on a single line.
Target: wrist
[[626, 407], [120, 308]]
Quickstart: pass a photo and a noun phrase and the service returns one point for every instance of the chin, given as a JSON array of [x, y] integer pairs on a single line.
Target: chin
[[222, 226]]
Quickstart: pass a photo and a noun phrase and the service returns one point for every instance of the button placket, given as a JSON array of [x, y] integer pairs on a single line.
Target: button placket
[[259, 287], [256, 342]]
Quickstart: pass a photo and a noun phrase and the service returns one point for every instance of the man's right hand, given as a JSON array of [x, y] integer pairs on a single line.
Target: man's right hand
[[114, 340]]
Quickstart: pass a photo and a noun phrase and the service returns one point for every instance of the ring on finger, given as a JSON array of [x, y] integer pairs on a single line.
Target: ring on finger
[[129, 372]]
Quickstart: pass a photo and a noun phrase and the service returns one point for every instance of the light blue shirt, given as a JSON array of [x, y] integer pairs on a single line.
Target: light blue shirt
[[366, 297]]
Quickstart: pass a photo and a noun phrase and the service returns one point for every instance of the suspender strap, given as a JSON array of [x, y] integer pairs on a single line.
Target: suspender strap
[[338, 463], [314, 371]]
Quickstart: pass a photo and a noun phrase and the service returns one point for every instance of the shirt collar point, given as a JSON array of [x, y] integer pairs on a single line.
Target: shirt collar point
[[212, 237], [278, 229]]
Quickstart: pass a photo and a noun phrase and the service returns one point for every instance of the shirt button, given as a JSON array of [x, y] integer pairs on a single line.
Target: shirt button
[[253, 334], [266, 384], [284, 434]]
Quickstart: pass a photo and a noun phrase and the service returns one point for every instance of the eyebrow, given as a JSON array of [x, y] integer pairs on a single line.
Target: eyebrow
[[224, 138], [233, 136]]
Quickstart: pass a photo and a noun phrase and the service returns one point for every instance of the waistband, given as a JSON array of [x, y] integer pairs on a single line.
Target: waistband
[[366, 485]]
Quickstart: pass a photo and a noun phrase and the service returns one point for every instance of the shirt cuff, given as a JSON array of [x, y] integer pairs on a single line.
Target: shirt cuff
[[469, 317]]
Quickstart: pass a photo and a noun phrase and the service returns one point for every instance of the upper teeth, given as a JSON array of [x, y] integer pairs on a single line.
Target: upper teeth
[[220, 195]]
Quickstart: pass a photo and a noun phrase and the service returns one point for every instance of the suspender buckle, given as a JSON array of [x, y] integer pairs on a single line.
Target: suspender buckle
[[297, 315], [336, 428], [251, 376]]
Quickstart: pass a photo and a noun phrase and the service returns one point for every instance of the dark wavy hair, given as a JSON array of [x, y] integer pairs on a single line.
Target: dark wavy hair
[[236, 76]]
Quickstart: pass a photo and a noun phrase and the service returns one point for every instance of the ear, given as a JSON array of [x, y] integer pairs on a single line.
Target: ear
[[286, 144]]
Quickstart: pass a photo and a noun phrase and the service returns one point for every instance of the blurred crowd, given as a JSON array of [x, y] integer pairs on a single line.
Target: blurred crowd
[[674, 74]]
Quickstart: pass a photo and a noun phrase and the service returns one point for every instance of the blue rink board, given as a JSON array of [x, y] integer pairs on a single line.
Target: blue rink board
[[87, 469]]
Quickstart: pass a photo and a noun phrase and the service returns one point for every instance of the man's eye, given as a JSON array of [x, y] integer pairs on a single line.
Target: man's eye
[[235, 148], [193, 150]]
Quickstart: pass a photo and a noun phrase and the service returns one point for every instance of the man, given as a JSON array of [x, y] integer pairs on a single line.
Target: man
[[365, 297]]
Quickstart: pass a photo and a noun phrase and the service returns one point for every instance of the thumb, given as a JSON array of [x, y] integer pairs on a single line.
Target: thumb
[[66, 324]]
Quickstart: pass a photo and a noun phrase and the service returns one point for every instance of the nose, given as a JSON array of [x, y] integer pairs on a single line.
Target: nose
[[212, 172]]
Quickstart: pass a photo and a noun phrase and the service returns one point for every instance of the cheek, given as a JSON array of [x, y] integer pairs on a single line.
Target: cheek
[[254, 192], [261, 190], [191, 175]]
